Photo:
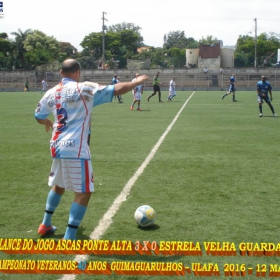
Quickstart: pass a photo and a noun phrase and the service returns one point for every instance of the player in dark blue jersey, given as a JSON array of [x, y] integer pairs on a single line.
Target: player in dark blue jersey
[[231, 88], [263, 88]]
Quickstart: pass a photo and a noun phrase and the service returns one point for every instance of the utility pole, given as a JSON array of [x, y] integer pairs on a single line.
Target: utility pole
[[255, 62], [103, 39]]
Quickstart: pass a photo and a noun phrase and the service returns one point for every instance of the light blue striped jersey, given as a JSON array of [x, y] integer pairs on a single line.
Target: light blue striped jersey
[[71, 103]]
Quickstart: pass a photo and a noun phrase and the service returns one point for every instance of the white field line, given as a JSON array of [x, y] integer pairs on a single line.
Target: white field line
[[106, 221]]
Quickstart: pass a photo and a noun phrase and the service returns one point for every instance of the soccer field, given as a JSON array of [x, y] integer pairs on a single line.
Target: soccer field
[[214, 177]]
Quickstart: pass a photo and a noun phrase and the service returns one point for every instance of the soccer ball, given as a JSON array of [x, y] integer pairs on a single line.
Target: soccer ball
[[145, 216]]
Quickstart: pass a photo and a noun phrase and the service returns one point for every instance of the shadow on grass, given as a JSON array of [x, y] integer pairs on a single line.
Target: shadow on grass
[[152, 227]]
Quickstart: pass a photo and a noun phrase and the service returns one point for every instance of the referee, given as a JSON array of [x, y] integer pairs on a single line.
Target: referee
[[156, 87]]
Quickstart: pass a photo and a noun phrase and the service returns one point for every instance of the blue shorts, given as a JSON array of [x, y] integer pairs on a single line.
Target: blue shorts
[[231, 88], [265, 98]]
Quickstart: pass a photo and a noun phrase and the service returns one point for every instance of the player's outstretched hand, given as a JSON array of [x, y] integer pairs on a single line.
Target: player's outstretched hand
[[142, 78], [121, 88]]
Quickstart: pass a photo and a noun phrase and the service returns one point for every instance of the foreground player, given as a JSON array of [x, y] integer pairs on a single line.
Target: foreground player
[[231, 88], [263, 87], [71, 103]]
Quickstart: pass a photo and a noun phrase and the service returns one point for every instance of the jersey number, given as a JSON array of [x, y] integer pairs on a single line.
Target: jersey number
[[62, 119]]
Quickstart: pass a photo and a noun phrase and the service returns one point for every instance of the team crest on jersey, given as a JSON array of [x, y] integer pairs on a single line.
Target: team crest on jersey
[[51, 174]]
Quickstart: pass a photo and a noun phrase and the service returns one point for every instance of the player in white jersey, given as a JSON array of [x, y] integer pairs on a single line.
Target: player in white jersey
[[172, 91], [71, 104], [44, 86], [137, 94]]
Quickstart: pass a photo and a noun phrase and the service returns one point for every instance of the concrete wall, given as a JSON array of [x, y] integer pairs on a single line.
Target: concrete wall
[[186, 79], [225, 60], [192, 56], [209, 63], [227, 57]]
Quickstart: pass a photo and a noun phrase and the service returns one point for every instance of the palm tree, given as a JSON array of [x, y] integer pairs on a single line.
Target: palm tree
[[20, 37]]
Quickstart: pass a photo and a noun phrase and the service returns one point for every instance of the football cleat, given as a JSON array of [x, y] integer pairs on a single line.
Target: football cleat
[[43, 230]]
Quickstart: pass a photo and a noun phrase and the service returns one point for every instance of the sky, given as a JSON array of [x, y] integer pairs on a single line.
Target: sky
[[72, 20]]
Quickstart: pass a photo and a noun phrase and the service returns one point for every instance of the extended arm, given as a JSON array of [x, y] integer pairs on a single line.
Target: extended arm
[[125, 87]]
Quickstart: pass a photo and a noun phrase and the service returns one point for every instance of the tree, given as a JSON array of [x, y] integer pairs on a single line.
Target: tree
[[267, 45], [20, 38], [92, 44], [3, 35], [40, 48], [5, 45], [6, 51], [209, 40], [159, 57], [120, 44], [175, 58], [66, 50], [4, 54], [127, 26], [177, 39], [192, 43], [244, 53]]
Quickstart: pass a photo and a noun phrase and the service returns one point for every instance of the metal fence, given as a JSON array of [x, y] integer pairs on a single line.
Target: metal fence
[[185, 79]]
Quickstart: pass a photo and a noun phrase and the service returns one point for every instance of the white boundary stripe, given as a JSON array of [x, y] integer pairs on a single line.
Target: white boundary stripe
[[106, 221]]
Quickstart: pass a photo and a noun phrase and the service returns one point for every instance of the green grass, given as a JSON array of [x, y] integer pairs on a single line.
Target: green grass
[[214, 178]]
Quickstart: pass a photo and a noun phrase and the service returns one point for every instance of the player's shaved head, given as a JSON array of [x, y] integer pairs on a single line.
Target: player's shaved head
[[263, 78], [71, 69], [70, 66]]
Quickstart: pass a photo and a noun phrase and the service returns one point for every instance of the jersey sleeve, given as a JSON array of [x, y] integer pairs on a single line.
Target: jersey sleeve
[[43, 109], [103, 94], [99, 94]]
